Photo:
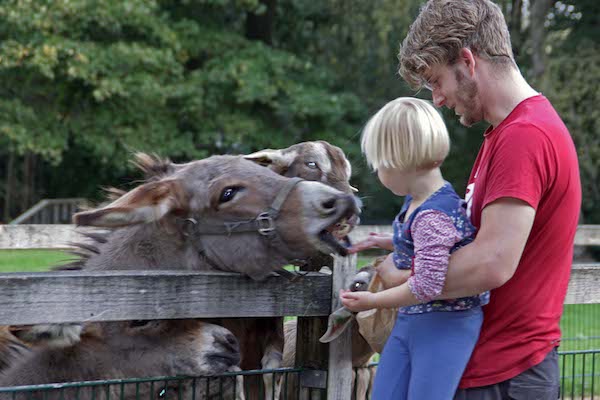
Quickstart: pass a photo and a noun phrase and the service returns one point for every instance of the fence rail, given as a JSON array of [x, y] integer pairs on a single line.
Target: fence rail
[[29, 298], [587, 235], [50, 211], [49, 236]]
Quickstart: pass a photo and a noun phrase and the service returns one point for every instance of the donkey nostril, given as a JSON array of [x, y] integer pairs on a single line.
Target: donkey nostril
[[329, 204]]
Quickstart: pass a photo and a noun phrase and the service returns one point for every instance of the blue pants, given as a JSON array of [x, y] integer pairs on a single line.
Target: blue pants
[[426, 354]]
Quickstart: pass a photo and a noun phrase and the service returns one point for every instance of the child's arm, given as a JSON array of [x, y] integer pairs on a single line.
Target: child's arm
[[398, 296], [434, 235], [373, 241]]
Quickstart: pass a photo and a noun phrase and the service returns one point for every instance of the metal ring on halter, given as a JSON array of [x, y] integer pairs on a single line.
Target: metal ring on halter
[[266, 225], [189, 225]]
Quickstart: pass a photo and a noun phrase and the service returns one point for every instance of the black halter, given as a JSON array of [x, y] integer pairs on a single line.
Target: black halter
[[263, 223]]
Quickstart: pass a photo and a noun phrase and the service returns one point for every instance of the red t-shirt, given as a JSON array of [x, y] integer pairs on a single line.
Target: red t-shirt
[[529, 156]]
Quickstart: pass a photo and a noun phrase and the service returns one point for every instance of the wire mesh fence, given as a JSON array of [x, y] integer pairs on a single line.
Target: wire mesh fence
[[580, 325], [579, 379], [227, 386]]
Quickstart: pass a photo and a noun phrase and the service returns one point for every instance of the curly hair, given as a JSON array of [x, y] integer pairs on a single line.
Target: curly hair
[[444, 27]]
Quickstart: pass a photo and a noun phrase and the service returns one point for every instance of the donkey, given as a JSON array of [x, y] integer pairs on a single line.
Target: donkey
[[120, 350], [177, 218], [261, 339]]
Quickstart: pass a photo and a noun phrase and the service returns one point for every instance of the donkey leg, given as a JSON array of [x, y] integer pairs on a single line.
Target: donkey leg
[[363, 377], [271, 360]]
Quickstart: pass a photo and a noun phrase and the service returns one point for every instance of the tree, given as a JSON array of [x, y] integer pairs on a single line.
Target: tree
[[85, 83]]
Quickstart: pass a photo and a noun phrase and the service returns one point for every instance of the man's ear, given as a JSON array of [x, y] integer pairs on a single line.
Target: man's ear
[[146, 203], [275, 160], [468, 59]]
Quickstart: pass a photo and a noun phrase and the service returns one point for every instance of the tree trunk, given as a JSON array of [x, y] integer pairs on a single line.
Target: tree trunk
[[515, 27], [29, 192], [260, 27], [10, 183], [539, 11]]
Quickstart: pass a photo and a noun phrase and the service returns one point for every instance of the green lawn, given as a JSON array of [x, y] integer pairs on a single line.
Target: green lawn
[[30, 260], [580, 323]]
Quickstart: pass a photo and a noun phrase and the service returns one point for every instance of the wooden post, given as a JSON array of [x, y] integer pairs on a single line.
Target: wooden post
[[335, 357], [339, 376]]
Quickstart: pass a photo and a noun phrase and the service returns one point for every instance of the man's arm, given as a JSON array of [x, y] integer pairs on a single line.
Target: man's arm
[[492, 258]]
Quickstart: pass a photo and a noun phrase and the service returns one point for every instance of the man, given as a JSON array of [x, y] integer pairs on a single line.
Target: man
[[523, 195]]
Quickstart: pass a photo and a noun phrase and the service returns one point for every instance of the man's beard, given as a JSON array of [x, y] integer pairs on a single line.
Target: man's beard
[[467, 92]]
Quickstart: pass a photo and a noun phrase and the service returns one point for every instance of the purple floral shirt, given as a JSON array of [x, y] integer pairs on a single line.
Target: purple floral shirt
[[424, 243]]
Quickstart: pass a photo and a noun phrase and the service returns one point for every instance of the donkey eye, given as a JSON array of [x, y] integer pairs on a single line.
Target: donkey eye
[[228, 193], [312, 165]]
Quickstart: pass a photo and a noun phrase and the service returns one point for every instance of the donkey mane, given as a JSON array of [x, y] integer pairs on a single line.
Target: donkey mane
[[153, 167]]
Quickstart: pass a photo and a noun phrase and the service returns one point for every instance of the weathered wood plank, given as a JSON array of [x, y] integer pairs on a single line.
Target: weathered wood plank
[[23, 237], [587, 235], [339, 377], [58, 236], [29, 298], [584, 285]]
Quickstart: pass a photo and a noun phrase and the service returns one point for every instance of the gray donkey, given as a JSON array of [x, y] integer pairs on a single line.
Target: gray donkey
[[177, 220]]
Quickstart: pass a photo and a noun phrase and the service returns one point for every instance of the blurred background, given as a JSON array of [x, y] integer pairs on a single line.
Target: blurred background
[[85, 83]]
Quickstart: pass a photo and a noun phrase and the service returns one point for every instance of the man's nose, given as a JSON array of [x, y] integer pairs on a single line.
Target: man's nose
[[438, 99]]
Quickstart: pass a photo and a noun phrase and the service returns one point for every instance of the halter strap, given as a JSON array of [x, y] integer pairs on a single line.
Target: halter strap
[[263, 223]]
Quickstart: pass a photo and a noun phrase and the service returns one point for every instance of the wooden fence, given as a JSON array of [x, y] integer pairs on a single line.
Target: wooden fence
[[50, 211], [30, 298]]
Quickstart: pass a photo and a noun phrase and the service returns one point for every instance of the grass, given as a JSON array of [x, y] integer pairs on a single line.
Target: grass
[[30, 260], [580, 373]]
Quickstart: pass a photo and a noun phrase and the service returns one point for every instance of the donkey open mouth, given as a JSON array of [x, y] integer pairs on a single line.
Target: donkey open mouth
[[333, 237]]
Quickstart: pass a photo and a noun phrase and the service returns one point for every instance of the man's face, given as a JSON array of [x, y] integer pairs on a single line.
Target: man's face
[[452, 87]]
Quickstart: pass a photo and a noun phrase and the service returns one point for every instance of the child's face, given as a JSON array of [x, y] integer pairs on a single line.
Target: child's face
[[396, 180]]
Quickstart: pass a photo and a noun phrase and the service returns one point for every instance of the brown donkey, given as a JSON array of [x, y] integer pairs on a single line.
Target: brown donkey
[[177, 219], [261, 339]]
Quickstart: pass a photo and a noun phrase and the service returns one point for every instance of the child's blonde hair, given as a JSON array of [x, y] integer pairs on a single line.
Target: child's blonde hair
[[407, 133]]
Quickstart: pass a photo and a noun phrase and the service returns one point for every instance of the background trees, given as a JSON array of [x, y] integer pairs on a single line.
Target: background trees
[[83, 83]]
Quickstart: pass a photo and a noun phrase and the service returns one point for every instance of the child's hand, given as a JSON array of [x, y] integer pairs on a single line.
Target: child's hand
[[357, 301], [374, 241]]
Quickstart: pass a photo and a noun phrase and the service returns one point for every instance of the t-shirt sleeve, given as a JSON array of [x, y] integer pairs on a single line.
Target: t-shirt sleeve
[[434, 235], [522, 165]]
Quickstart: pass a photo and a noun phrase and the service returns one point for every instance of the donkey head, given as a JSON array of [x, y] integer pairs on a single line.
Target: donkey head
[[117, 350], [314, 161], [317, 161], [210, 214]]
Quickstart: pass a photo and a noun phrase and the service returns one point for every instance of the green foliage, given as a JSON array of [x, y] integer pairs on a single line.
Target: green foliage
[[572, 84], [83, 83], [93, 81]]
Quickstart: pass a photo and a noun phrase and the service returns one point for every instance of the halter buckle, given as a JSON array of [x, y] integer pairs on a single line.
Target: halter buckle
[[266, 225], [189, 225]]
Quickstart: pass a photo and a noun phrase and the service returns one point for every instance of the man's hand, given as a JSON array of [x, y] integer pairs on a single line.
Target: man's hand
[[357, 301], [390, 275], [374, 241]]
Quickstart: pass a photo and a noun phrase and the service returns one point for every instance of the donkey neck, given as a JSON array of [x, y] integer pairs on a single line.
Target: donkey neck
[[146, 247]]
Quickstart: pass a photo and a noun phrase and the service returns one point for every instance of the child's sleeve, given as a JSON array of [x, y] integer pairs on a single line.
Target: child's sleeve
[[434, 235]]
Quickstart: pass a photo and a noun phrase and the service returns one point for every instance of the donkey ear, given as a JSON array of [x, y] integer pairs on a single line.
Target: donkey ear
[[146, 203], [275, 160]]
